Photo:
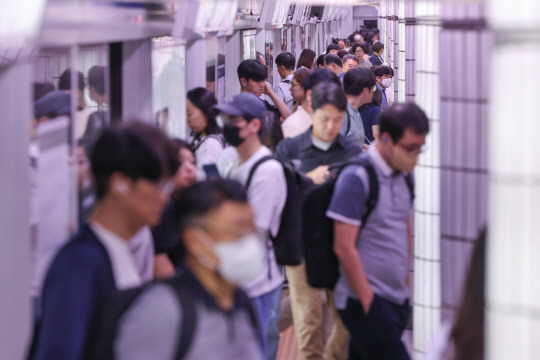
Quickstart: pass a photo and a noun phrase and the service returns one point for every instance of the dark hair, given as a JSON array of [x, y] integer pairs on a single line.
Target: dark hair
[[468, 331], [365, 47], [319, 76], [378, 46], [399, 117], [306, 59], [349, 57], [205, 100], [354, 47], [201, 198], [285, 59], [332, 46], [368, 35], [342, 53], [42, 89], [64, 82], [251, 70], [134, 149], [328, 93], [357, 79], [333, 59], [382, 70], [300, 75], [96, 78], [272, 133], [320, 60], [179, 144]]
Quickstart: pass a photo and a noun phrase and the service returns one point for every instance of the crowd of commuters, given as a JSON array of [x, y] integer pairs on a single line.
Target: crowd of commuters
[[211, 208]]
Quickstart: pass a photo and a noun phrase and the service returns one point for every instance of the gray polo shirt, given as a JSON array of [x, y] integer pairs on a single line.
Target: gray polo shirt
[[356, 129], [306, 156], [382, 242], [283, 91], [151, 328]]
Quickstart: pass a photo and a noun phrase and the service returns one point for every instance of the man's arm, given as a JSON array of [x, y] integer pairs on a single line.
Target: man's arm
[[345, 249], [281, 106]]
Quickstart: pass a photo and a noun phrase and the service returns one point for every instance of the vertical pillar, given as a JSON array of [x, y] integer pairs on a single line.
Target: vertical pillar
[[410, 57], [401, 73], [464, 147], [426, 291], [513, 247], [137, 80], [196, 64], [233, 58], [16, 115]]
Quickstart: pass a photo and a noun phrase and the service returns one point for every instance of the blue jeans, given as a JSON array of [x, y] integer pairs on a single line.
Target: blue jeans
[[267, 308]]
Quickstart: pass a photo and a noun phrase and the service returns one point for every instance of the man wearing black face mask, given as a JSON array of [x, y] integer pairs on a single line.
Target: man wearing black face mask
[[244, 121]]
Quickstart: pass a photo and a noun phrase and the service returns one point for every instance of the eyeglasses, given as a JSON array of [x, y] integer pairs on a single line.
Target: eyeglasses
[[412, 149]]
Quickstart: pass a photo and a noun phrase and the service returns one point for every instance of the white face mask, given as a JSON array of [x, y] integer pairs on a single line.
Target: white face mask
[[239, 261], [386, 83]]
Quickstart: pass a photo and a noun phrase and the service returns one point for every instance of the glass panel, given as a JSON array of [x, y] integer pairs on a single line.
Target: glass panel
[[211, 57], [169, 85], [220, 83], [248, 44], [284, 40]]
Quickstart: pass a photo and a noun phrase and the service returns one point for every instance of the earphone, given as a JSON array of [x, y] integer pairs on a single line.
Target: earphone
[[385, 138], [121, 187]]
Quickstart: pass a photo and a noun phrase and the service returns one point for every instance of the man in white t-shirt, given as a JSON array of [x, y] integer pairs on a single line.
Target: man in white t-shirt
[[244, 121]]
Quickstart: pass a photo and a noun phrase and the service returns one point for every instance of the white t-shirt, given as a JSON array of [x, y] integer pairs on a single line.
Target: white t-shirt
[[123, 266], [207, 153], [142, 249], [267, 194], [297, 123]]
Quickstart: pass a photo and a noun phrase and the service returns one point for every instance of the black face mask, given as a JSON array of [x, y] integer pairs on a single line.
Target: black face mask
[[232, 135]]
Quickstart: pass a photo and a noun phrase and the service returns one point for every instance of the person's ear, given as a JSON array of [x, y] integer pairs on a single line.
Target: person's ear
[[243, 82], [256, 124], [308, 97], [119, 184]]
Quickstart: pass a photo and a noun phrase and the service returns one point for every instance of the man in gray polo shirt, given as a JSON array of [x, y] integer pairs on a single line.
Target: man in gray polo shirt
[[372, 293], [358, 85]]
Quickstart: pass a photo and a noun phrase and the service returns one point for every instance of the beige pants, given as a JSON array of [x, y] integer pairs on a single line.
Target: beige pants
[[307, 310]]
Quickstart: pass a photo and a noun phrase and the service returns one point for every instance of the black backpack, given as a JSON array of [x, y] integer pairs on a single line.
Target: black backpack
[[287, 243], [101, 340], [322, 265]]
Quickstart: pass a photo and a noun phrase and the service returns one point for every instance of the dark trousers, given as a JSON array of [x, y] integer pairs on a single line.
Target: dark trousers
[[377, 334]]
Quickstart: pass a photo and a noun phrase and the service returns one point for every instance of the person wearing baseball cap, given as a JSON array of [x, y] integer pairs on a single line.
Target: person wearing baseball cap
[[244, 121]]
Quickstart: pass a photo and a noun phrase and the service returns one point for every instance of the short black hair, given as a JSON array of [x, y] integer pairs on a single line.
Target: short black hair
[[332, 47], [378, 46], [342, 53], [328, 93], [356, 45], [205, 101], [357, 79], [96, 78], [285, 59], [365, 47], [320, 60], [201, 198], [42, 89], [319, 76], [135, 149], [333, 59], [251, 70], [382, 70], [64, 82], [399, 117]]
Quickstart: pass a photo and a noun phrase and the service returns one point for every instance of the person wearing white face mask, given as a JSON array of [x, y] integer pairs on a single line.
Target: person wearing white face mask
[[223, 252], [383, 77]]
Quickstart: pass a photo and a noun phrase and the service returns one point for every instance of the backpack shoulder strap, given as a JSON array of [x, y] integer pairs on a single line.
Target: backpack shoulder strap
[[189, 314], [255, 166], [373, 195], [348, 121], [410, 184]]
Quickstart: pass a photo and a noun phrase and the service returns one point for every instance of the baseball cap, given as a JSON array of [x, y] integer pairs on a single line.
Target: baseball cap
[[245, 104]]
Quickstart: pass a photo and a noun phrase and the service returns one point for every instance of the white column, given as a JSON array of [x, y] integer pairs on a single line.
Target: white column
[[464, 176], [16, 114], [196, 64], [410, 57], [400, 78], [426, 292], [232, 60], [513, 246]]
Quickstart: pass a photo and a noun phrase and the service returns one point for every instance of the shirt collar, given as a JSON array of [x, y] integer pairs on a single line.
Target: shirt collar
[[378, 160], [306, 143], [289, 77]]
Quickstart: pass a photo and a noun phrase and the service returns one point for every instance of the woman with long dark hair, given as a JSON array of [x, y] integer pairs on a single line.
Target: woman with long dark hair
[[207, 141], [306, 59]]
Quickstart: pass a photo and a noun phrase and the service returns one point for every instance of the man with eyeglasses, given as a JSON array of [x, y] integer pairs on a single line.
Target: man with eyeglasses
[[359, 50], [131, 165], [372, 294]]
